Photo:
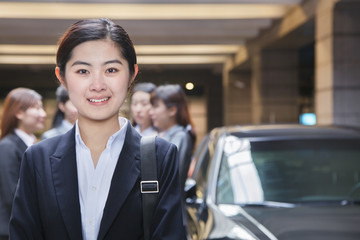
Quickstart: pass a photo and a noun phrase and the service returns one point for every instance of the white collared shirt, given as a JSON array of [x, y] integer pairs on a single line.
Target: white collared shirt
[[27, 139], [94, 183]]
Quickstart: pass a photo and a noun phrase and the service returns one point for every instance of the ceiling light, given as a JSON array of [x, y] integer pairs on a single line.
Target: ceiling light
[[27, 49], [140, 11], [189, 59], [186, 49], [189, 86], [171, 59], [140, 49], [26, 59]]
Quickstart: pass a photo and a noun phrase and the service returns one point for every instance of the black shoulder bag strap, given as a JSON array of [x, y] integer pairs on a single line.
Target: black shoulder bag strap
[[149, 185]]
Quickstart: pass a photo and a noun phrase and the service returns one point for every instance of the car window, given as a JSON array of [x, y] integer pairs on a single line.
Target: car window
[[197, 157], [296, 171]]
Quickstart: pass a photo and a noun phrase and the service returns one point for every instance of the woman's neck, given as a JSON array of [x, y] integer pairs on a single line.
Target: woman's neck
[[70, 120], [144, 127], [168, 127], [25, 130], [95, 134]]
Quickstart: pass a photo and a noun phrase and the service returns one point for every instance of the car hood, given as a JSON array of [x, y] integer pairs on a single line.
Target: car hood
[[299, 222]]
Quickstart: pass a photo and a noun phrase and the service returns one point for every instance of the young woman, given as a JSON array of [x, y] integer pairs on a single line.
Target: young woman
[[65, 116], [22, 115], [85, 184], [171, 117], [140, 108]]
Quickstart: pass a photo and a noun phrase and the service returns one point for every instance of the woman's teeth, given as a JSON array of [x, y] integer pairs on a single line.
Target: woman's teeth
[[98, 100]]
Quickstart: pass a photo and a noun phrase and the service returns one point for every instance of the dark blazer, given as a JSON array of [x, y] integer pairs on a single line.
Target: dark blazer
[[46, 204], [12, 149], [179, 136]]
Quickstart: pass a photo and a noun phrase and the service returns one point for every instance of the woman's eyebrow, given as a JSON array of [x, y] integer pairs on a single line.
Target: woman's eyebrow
[[113, 61], [88, 64], [80, 63]]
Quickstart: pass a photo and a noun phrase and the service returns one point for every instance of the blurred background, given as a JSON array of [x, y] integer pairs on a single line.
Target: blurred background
[[239, 61]]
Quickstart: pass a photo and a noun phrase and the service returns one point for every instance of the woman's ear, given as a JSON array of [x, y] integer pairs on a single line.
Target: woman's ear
[[59, 77], [172, 111], [20, 115], [136, 69]]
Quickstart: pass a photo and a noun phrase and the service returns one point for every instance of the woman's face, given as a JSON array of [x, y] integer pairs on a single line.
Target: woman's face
[[69, 110], [32, 119], [97, 79], [162, 117], [140, 108]]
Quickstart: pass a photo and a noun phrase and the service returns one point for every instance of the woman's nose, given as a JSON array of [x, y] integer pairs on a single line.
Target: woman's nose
[[98, 83], [43, 113], [137, 108]]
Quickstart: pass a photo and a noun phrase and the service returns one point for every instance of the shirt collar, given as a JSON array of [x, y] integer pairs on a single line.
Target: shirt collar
[[113, 140], [27, 139]]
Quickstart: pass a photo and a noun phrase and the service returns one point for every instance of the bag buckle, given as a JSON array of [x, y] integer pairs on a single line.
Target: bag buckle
[[149, 186]]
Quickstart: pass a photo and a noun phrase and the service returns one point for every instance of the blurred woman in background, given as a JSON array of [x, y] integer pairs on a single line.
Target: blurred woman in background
[[170, 115], [140, 109], [22, 115], [65, 116]]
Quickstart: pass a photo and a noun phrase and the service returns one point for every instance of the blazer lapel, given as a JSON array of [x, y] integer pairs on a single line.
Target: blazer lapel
[[18, 142], [64, 173], [126, 173]]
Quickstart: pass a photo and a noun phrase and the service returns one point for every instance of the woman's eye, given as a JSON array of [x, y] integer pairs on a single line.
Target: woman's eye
[[83, 71], [111, 70]]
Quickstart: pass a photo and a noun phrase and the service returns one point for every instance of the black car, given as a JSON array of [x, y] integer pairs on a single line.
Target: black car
[[275, 182]]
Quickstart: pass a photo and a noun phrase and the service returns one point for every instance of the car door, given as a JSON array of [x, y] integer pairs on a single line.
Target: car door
[[198, 220]]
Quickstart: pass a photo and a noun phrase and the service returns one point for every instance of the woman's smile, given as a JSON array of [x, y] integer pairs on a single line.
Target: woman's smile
[[99, 100]]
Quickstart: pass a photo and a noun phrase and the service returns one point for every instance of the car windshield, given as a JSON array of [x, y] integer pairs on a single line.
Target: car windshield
[[291, 171]]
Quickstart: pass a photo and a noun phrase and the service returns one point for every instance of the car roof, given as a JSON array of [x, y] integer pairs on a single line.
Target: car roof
[[288, 131]]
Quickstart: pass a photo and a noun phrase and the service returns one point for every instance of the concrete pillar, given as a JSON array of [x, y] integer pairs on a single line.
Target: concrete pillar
[[337, 63], [275, 86], [237, 97], [256, 97]]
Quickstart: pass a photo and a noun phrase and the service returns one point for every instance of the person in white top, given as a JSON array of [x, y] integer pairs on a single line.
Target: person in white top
[[86, 183], [140, 108], [22, 115], [65, 116]]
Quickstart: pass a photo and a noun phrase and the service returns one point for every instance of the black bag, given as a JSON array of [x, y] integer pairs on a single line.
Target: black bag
[[149, 184]]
